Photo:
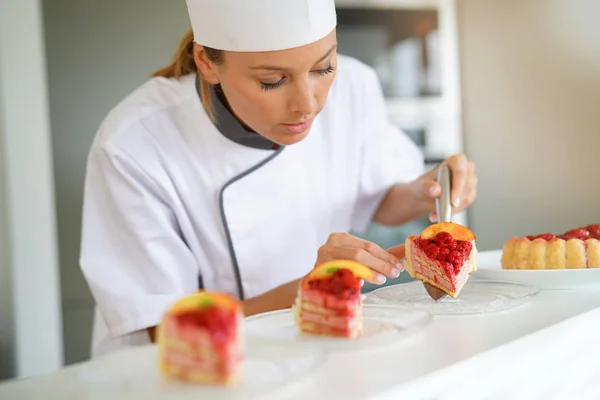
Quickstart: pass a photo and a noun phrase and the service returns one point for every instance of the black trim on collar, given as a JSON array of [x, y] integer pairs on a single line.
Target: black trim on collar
[[230, 126]]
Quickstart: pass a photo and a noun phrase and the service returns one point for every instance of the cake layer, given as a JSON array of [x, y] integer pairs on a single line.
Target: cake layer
[[324, 313], [330, 301], [323, 307], [333, 321], [315, 307], [556, 253], [201, 376], [319, 329], [432, 271], [461, 280], [215, 362], [194, 339]]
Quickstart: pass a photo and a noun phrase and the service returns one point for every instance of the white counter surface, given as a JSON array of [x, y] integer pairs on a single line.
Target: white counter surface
[[547, 348]]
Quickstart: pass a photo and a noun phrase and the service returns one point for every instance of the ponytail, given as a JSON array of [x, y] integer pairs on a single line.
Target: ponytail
[[183, 63]]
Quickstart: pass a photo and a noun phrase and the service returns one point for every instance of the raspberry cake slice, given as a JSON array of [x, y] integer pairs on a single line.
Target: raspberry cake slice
[[329, 300], [200, 339], [576, 249], [443, 256]]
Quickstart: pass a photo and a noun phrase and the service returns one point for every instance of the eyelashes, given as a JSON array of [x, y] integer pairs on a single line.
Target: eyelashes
[[272, 86], [325, 71]]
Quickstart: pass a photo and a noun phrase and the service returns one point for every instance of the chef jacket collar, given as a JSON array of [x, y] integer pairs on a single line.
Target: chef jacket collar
[[230, 126]]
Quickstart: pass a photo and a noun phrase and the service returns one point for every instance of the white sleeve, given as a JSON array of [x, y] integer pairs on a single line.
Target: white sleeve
[[389, 156], [132, 254]]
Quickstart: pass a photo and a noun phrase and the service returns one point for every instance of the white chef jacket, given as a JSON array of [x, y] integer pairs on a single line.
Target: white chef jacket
[[173, 202]]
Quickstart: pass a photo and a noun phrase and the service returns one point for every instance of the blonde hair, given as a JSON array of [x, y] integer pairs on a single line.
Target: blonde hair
[[183, 63]]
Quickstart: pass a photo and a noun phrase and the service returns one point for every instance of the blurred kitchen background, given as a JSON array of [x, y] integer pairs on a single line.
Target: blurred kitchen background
[[513, 83]]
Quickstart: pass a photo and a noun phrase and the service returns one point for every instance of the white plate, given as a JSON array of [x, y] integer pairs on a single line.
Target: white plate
[[133, 374], [477, 297], [381, 325], [489, 268]]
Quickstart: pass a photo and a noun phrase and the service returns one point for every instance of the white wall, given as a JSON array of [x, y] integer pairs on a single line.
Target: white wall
[[7, 362], [27, 226], [97, 53], [531, 106]]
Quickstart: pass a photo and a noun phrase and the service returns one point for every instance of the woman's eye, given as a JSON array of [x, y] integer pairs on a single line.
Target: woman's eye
[[325, 71], [320, 72], [271, 86]]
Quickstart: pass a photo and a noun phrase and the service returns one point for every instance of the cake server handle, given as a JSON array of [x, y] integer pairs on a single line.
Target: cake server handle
[[442, 203]]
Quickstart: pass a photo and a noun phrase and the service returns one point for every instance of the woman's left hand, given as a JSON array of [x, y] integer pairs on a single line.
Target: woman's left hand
[[464, 184]]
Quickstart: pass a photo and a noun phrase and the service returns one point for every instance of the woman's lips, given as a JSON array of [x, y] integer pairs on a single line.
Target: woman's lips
[[298, 128]]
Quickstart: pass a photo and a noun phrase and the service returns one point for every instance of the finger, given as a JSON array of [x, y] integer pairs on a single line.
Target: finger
[[369, 247], [471, 167], [334, 252], [470, 192], [433, 217], [470, 198], [380, 268], [398, 251], [458, 168], [431, 188], [473, 180]]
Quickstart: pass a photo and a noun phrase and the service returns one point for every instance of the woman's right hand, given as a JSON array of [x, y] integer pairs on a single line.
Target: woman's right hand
[[344, 246]]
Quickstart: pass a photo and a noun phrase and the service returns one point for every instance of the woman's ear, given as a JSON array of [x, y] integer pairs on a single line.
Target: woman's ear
[[205, 66]]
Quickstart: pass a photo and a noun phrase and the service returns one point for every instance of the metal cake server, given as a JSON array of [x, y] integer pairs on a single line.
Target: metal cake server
[[444, 214]]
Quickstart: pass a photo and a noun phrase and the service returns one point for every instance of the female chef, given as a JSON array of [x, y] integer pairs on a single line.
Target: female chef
[[242, 165]]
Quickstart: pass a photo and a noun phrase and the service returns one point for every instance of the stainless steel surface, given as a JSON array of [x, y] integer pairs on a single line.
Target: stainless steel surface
[[434, 292], [442, 203]]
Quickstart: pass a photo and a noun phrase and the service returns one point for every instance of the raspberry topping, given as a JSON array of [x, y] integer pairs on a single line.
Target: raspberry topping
[[590, 231], [465, 247], [218, 320], [449, 267], [579, 233], [422, 243], [443, 254], [432, 250], [594, 230], [545, 236], [451, 253], [455, 257], [343, 284], [444, 239]]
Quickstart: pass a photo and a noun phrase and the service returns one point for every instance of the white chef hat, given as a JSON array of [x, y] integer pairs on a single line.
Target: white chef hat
[[260, 25]]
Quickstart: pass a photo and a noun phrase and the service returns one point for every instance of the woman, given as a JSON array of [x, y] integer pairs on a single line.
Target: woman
[[242, 165]]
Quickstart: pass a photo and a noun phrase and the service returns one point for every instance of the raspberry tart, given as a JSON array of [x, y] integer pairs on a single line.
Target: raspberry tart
[[443, 256], [329, 300], [200, 339], [576, 249]]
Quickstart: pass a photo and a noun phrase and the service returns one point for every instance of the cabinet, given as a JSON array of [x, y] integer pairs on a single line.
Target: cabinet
[[412, 45]]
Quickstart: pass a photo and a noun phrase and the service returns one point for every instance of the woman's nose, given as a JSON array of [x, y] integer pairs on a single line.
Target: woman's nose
[[303, 99]]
